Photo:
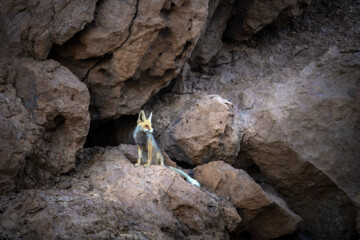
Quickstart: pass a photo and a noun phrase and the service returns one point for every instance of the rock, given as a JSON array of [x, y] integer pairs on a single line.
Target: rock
[[265, 215], [106, 33], [299, 107], [280, 164], [45, 116], [58, 102], [251, 16], [111, 197], [210, 43], [36, 25], [18, 132], [142, 54], [196, 129]]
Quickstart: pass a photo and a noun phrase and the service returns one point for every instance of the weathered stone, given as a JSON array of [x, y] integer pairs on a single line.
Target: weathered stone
[[109, 197], [36, 25], [299, 106], [58, 102], [210, 43], [18, 133], [142, 54], [197, 129], [45, 117], [251, 16], [109, 30], [265, 215]]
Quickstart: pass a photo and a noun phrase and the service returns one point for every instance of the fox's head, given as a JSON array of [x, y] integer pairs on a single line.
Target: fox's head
[[144, 123]]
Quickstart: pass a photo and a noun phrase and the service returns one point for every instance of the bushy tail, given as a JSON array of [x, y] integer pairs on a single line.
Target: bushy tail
[[188, 178]]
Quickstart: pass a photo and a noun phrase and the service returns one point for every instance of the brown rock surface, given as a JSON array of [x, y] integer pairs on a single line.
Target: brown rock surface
[[58, 102], [197, 129], [108, 197], [251, 16], [265, 215], [34, 26], [142, 54], [18, 132], [210, 42], [298, 98], [45, 114]]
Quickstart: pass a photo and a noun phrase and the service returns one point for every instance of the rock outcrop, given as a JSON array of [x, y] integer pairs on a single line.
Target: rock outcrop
[[138, 57], [280, 103], [46, 120], [197, 129], [265, 215], [252, 16], [299, 107], [210, 42], [32, 27], [108, 197]]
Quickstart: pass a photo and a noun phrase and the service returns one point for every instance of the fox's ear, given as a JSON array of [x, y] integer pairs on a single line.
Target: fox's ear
[[141, 117], [150, 117]]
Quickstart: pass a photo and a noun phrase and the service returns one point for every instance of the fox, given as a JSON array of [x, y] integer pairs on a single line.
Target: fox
[[148, 149]]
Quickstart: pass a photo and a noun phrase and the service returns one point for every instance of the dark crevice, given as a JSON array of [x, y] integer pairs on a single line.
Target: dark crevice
[[241, 236], [185, 48], [183, 165], [56, 123], [108, 132]]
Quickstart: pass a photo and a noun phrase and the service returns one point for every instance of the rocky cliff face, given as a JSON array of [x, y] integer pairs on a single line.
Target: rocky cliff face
[[259, 100]]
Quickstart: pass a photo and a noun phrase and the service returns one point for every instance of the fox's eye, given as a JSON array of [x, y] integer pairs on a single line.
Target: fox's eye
[[146, 126]]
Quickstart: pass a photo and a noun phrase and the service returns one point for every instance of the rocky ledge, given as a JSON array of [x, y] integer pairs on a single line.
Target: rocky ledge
[[257, 100]]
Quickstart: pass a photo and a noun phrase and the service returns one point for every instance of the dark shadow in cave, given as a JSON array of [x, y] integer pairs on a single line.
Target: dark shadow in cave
[[111, 132]]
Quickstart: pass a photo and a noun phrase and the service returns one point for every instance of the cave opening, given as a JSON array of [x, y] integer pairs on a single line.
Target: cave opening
[[111, 132]]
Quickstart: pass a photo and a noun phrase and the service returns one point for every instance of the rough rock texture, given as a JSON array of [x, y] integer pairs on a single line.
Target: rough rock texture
[[34, 26], [265, 215], [210, 42], [58, 102], [289, 95], [298, 96], [45, 115], [108, 197], [251, 16], [197, 129], [142, 45], [17, 131]]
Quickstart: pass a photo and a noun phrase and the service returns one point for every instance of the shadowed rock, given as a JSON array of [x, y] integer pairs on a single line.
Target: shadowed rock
[[197, 129], [265, 215]]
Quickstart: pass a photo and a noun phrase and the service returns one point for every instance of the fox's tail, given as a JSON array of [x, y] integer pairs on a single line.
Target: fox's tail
[[188, 178]]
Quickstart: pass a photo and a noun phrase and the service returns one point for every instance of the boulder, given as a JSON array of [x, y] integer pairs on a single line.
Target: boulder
[[251, 16], [18, 132], [197, 129], [34, 26], [139, 46], [265, 215], [108, 197], [57, 102], [46, 120]]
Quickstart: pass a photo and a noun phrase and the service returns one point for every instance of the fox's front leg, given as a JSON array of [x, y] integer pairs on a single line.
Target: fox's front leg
[[139, 157], [149, 154]]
